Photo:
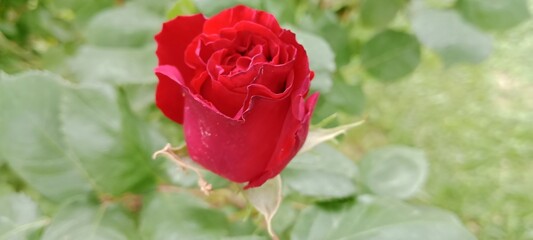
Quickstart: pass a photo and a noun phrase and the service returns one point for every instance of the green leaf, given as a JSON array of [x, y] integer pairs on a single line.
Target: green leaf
[[455, 40], [31, 141], [395, 171], [343, 97], [321, 59], [379, 219], [80, 138], [283, 10], [212, 7], [181, 216], [88, 222], [19, 216], [495, 14], [141, 98], [182, 7], [349, 98], [284, 218], [326, 24], [323, 173], [110, 144], [379, 13], [127, 26], [322, 82], [113, 65], [390, 55]]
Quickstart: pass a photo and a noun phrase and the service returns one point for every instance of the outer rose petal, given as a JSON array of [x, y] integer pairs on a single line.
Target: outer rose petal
[[169, 98], [241, 13], [293, 137], [171, 43], [238, 150], [297, 121]]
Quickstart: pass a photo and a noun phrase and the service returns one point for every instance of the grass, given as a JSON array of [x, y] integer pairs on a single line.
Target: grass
[[476, 125]]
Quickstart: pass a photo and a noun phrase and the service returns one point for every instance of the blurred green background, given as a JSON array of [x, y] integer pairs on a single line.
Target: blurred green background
[[452, 78]]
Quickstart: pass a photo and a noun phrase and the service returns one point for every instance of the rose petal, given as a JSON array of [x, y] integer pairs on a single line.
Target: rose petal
[[274, 77], [238, 82], [171, 43], [257, 30], [222, 145], [214, 91], [169, 98], [174, 38], [257, 92], [296, 125], [294, 134], [302, 74], [174, 74], [213, 67], [229, 17]]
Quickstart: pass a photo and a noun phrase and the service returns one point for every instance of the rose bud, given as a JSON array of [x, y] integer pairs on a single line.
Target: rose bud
[[238, 83]]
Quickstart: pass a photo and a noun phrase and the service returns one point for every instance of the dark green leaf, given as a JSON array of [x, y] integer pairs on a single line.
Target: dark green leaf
[[31, 140], [114, 65], [379, 219], [169, 216], [390, 55], [323, 173], [395, 171], [379, 13], [455, 40], [19, 216], [494, 14], [87, 222], [127, 26]]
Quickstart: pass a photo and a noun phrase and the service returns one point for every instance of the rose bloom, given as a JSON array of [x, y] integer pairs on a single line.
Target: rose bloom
[[238, 83]]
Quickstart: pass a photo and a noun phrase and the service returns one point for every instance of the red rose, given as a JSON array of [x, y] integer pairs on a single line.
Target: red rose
[[237, 82]]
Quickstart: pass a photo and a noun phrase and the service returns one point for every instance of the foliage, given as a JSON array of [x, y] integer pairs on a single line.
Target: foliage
[[76, 139]]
